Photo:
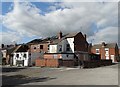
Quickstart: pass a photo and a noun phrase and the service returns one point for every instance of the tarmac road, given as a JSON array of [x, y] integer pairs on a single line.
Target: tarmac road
[[107, 75]]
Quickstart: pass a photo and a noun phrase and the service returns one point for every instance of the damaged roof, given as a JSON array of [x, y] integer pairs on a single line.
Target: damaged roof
[[71, 34], [56, 41], [21, 48], [10, 50]]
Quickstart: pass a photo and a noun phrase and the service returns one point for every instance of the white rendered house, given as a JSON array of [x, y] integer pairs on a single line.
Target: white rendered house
[[21, 56]]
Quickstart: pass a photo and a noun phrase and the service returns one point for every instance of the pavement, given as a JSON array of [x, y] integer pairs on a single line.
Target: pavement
[[107, 75]]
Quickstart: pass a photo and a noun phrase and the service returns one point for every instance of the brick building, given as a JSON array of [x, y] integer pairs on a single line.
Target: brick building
[[6, 51], [68, 47], [119, 51], [37, 50], [65, 50], [106, 50], [39, 46]]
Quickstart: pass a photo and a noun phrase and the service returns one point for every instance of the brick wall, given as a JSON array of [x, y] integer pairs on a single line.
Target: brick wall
[[47, 62], [54, 63], [112, 51], [80, 43], [34, 56], [119, 51], [48, 56], [36, 48], [40, 62]]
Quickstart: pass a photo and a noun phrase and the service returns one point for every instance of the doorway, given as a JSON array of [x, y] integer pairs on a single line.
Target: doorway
[[113, 58]]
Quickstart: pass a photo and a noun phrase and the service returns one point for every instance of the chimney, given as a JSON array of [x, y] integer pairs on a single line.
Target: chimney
[[3, 45], [60, 35], [14, 44], [103, 44]]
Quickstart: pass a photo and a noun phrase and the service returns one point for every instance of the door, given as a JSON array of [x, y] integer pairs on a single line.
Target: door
[[20, 62], [107, 57], [107, 53], [113, 58]]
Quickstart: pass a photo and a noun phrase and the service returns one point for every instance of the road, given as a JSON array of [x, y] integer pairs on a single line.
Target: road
[[107, 75]]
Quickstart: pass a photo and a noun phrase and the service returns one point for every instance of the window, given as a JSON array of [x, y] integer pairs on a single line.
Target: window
[[41, 46], [60, 47], [97, 51], [34, 48], [25, 55], [67, 55], [17, 55], [106, 50], [67, 47], [48, 47]]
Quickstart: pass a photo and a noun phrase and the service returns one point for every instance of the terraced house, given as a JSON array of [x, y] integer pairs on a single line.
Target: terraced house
[[107, 51]]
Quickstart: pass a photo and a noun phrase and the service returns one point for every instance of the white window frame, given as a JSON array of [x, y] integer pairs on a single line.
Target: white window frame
[[107, 51], [98, 51]]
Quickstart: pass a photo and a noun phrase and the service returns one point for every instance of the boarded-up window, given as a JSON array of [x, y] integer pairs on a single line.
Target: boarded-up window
[[41, 46]]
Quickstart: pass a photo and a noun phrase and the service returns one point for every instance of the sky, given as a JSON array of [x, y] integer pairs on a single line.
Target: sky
[[25, 21]]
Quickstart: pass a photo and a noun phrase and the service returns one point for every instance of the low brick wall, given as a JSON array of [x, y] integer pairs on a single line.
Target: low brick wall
[[54, 63], [71, 63], [67, 63], [47, 63], [40, 62]]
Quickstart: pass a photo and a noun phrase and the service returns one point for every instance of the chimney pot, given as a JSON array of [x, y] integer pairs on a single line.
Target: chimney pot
[[103, 44], [60, 35]]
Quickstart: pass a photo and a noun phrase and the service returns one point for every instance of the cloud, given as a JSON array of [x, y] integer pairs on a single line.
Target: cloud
[[105, 35], [9, 37], [27, 20]]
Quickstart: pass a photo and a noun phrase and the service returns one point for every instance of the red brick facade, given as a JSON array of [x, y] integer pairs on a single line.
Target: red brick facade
[[80, 43], [39, 48], [54, 63], [119, 51], [106, 52], [80, 49], [51, 56]]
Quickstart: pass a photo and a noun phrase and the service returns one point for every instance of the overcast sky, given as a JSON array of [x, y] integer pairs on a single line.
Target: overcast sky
[[24, 21]]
